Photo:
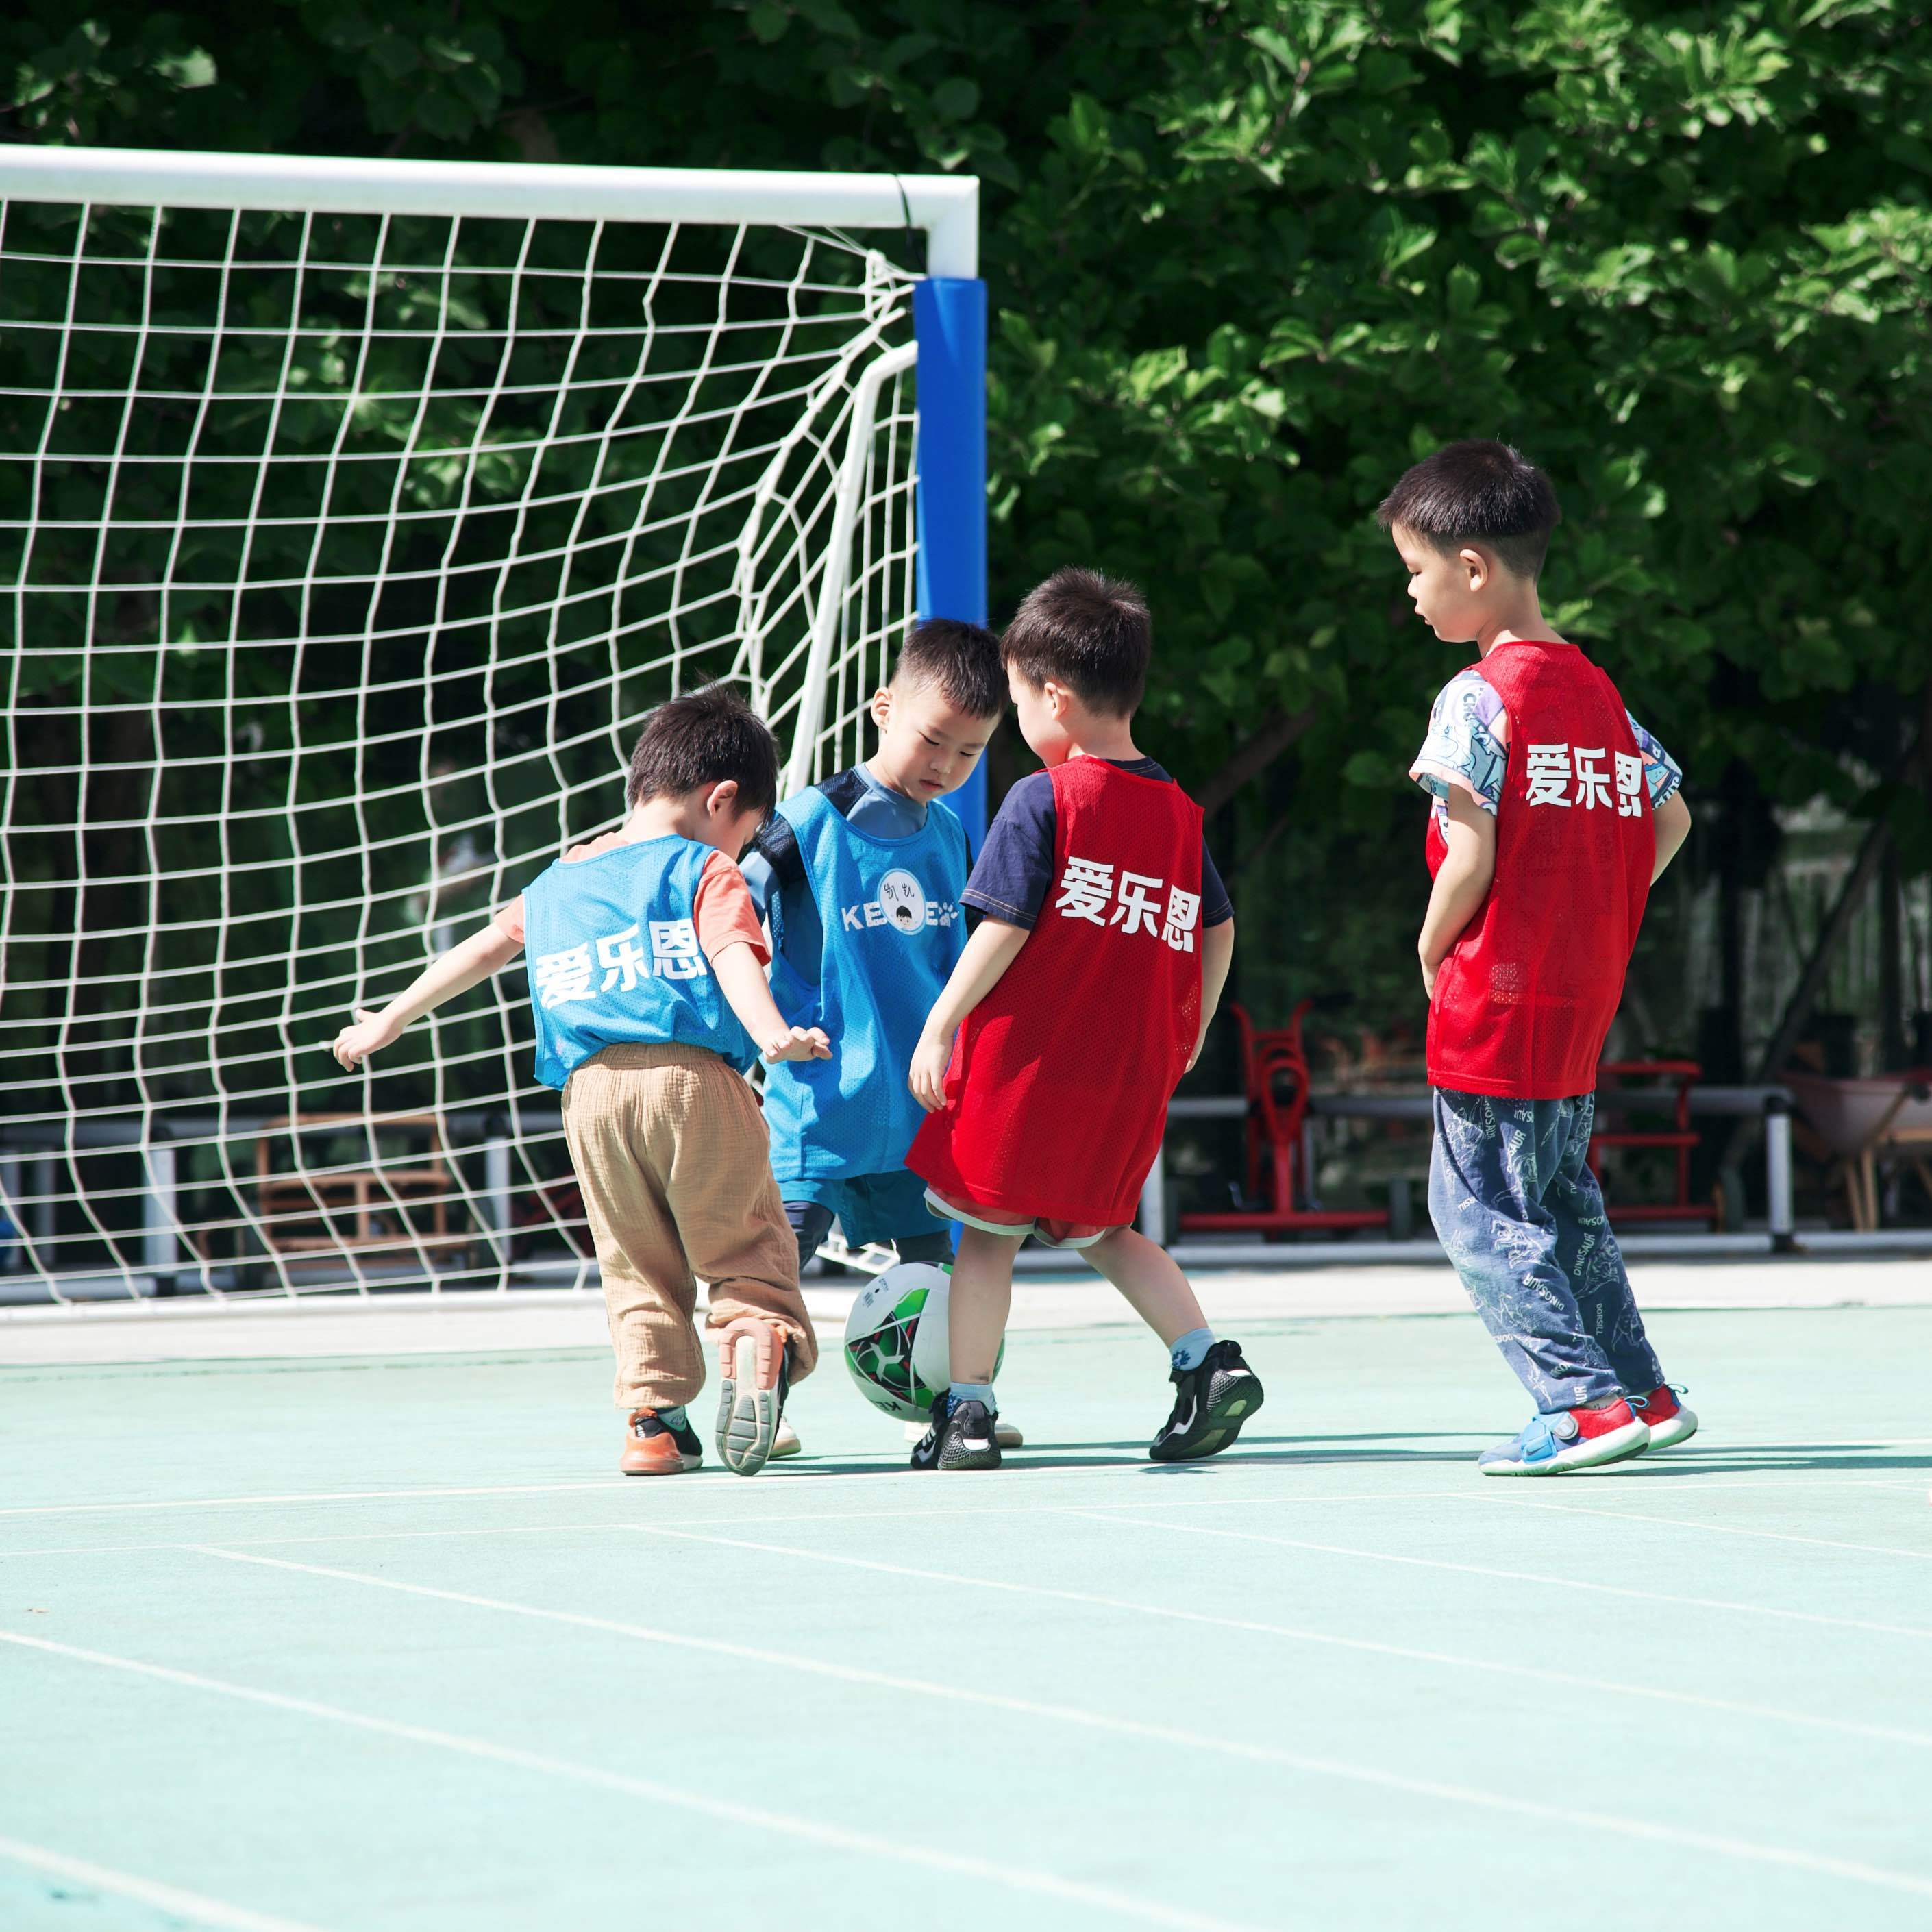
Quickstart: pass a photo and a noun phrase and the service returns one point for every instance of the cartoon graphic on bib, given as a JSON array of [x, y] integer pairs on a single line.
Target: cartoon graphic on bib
[[904, 899]]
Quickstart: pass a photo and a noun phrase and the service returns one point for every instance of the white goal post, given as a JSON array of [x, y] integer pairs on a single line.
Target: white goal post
[[352, 513]]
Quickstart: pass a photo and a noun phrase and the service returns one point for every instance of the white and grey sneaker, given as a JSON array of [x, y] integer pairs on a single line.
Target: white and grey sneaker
[[754, 1374]]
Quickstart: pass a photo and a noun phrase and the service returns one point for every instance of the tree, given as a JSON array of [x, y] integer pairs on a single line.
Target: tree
[[1249, 259]]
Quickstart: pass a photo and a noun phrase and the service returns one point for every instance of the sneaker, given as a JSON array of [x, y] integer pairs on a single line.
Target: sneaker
[[786, 1442], [1669, 1421], [1004, 1433], [1572, 1439], [961, 1436], [652, 1447], [754, 1371], [1210, 1403]]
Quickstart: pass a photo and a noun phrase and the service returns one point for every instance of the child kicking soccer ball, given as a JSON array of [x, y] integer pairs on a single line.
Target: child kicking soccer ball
[[1077, 1005], [648, 987], [1554, 815], [860, 877]]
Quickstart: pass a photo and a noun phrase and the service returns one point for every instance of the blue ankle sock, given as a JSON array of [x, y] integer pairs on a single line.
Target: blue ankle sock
[[1191, 1350], [674, 1418], [973, 1392]]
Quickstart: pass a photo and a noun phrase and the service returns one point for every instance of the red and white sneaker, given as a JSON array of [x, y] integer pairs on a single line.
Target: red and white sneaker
[[1669, 1422], [1571, 1438]]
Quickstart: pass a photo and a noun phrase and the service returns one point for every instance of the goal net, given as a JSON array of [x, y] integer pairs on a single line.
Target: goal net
[[352, 515]]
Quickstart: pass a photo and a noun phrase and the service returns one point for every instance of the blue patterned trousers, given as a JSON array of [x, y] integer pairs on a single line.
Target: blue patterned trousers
[[1516, 1205]]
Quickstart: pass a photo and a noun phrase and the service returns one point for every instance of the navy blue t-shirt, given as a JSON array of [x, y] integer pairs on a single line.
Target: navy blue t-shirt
[[1011, 876]]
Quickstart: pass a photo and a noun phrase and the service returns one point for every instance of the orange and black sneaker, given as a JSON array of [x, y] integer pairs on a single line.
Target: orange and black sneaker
[[653, 1446]]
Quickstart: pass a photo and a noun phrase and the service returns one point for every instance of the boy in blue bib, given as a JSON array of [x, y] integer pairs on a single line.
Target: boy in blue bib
[[647, 985], [858, 878]]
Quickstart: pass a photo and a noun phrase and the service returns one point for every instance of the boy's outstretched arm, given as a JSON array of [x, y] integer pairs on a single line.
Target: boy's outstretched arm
[[741, 979], [1672, 823], [487, 951], [1464, 877], [992, 948], [1217, 955]]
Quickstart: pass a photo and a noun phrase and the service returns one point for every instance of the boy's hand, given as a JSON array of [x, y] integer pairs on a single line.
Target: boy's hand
[[1429, 974], [371, 1032], [798, 1043], [930, 1059]]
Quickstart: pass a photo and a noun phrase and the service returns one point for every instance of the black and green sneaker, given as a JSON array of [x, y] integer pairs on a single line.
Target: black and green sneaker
[[961, 1436], [1210, 1403]]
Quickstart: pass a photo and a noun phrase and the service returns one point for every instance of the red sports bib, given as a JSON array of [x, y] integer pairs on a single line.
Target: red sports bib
[[1056, 1096], [1528, 991]]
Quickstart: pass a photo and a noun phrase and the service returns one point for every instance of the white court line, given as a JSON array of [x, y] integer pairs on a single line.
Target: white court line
[[746, 1518], [733, 1520], [193, 1905], [317, 1496], [1691, 1522], [836, 1837], [1225, 1470], [1291, 1761], [1317, 1767], [1505, 1575], [1065, 1713]]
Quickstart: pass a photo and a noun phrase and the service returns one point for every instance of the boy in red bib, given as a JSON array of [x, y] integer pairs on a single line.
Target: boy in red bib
[[1554, 815], [1082, 997]]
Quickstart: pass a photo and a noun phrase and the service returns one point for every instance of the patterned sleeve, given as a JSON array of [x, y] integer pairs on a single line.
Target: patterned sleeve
[[1662, 772], [1464, 746]]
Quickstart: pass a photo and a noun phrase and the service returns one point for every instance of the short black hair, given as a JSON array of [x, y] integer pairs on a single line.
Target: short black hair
[[962, 659], [1089, 632], [703, 739], [1477, 492]]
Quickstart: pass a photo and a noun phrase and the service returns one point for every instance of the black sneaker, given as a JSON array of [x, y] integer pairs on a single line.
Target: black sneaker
[[1210, 1403], [959, 1437]]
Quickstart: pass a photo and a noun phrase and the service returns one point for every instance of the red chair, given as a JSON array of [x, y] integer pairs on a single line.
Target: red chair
[[1612, 1077], [1275, 1071]]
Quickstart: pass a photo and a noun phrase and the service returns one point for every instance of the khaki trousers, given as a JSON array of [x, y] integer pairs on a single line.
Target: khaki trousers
[[674, 1162]]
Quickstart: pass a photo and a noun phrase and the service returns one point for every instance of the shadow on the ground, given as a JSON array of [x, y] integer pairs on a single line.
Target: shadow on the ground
[[1317, 1452]]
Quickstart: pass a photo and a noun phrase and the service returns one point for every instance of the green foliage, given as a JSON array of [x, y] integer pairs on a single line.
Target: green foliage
[[1248, 258]]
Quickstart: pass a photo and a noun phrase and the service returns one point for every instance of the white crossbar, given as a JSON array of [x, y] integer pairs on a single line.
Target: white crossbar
[[945, 207]]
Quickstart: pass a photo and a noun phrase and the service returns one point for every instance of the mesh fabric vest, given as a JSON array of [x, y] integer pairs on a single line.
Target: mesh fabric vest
[[613, 958], [1527, 992], [1057, 1095], [892, 933]]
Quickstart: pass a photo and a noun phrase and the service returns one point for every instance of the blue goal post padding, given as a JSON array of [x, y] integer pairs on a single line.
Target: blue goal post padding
[[950, 322]]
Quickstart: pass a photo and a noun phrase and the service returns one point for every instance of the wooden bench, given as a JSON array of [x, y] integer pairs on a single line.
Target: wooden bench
[[304, 1203]]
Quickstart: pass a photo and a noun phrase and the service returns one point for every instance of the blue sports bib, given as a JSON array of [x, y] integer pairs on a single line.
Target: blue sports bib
[[892, 931], [613, 956]]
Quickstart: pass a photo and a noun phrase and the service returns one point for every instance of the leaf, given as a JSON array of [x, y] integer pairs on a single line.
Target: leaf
[[769, 22], [955, 99]]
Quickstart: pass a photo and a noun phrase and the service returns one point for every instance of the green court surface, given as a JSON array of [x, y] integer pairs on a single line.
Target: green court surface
[[386, 1645]]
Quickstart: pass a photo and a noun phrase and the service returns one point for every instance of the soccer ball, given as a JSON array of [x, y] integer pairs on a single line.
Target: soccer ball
[[895, 1340]]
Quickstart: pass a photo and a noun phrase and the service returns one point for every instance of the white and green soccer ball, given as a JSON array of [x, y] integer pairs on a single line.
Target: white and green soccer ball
[[895, 1340]]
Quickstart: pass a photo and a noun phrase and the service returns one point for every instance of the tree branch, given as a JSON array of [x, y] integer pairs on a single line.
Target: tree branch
[[1253, 755]]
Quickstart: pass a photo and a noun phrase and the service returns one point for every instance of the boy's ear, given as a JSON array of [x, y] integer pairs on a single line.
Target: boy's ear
[[1477, 569], [721, 801], [881, 705]]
